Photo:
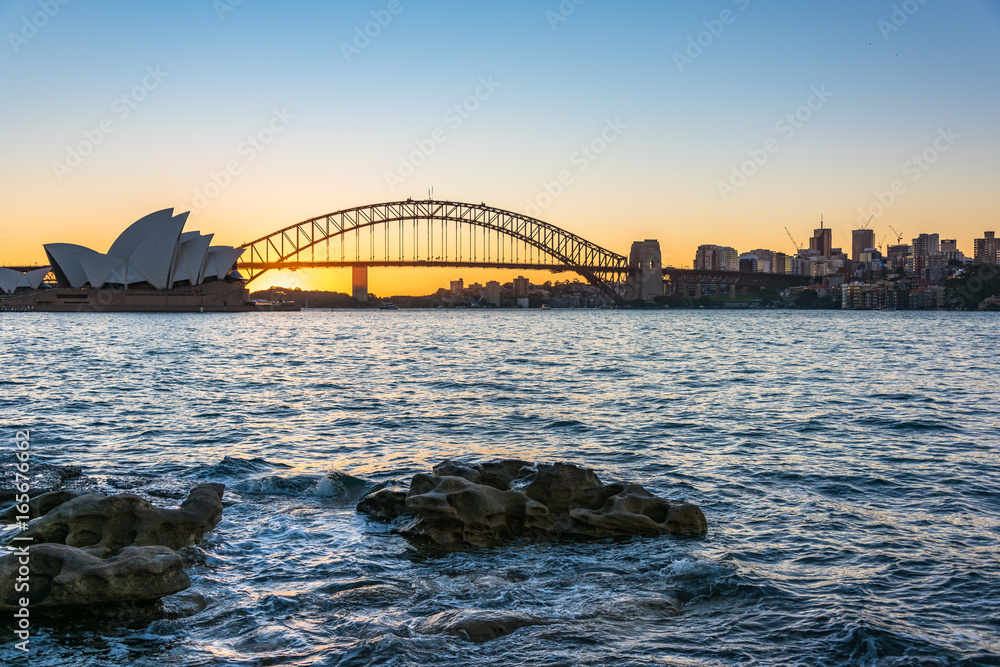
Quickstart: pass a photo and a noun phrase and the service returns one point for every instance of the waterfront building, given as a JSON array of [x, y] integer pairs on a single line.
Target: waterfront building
[[457, 286], [153, 266], [869, 296], [154, 252]]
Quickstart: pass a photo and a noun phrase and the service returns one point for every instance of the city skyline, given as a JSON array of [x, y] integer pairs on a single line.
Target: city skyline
[[678, 126]]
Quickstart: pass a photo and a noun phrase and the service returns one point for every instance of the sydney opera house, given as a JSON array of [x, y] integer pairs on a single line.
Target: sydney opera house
[[154, 265]]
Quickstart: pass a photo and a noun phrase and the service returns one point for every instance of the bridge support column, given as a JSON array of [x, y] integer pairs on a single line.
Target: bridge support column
[[732, 291], [697, 290], [359, 283], [646, 279]]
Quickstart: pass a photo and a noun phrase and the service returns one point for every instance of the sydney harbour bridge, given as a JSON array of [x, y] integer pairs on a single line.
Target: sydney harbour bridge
[[432, 233]]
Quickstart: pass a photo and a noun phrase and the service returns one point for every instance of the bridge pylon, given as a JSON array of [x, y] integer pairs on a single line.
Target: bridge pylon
[[645, 279], [359, 282]]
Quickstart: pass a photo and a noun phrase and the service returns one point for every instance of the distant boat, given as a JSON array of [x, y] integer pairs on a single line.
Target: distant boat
[[388, 306], [545, 306]]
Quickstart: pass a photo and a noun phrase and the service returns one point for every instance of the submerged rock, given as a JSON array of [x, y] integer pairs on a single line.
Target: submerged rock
[[104, 525], [64, 576], [476, 625], [488, 504]]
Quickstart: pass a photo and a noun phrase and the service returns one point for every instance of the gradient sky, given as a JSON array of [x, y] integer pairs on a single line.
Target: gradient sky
[[225, 67]]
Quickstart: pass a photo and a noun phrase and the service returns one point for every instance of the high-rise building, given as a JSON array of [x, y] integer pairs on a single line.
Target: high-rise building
[[457, 286], [926, 245], [822, 241], [861, 240], [521, 286], [781, 263], [896, 256], [987, 249], [716, 258], [949, 245], [492, 293]]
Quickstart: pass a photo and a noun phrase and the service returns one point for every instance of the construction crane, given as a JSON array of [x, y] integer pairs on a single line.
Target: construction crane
[[899, 237], [865, 226], [795, 243], [881, 243]]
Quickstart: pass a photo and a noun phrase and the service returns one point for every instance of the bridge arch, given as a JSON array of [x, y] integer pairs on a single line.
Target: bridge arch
[[434, 233]]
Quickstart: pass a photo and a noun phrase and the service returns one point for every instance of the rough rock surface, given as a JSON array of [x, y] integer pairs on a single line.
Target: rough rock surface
[[453, 511], [40, 505], [636, 511], [476, 625], [65, 576], [488, 504], [104, 525]]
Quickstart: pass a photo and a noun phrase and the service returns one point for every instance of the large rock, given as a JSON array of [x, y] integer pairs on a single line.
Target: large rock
[[62, 576], [476, 625], [104, 525], [487, 504]]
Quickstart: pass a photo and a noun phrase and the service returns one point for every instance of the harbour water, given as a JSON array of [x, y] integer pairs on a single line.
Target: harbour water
[[848, 464]]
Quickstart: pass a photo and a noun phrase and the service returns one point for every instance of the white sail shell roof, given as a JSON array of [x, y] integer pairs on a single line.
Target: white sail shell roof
[[191, 254], [220, 261], [153, 250], [11, 279]]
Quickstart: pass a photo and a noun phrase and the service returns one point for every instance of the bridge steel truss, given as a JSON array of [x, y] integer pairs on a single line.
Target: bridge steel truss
[[433, 233]]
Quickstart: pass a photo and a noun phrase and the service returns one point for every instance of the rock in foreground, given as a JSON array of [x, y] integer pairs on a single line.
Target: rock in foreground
[[104, 525], [488, 504], [63, 576]]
